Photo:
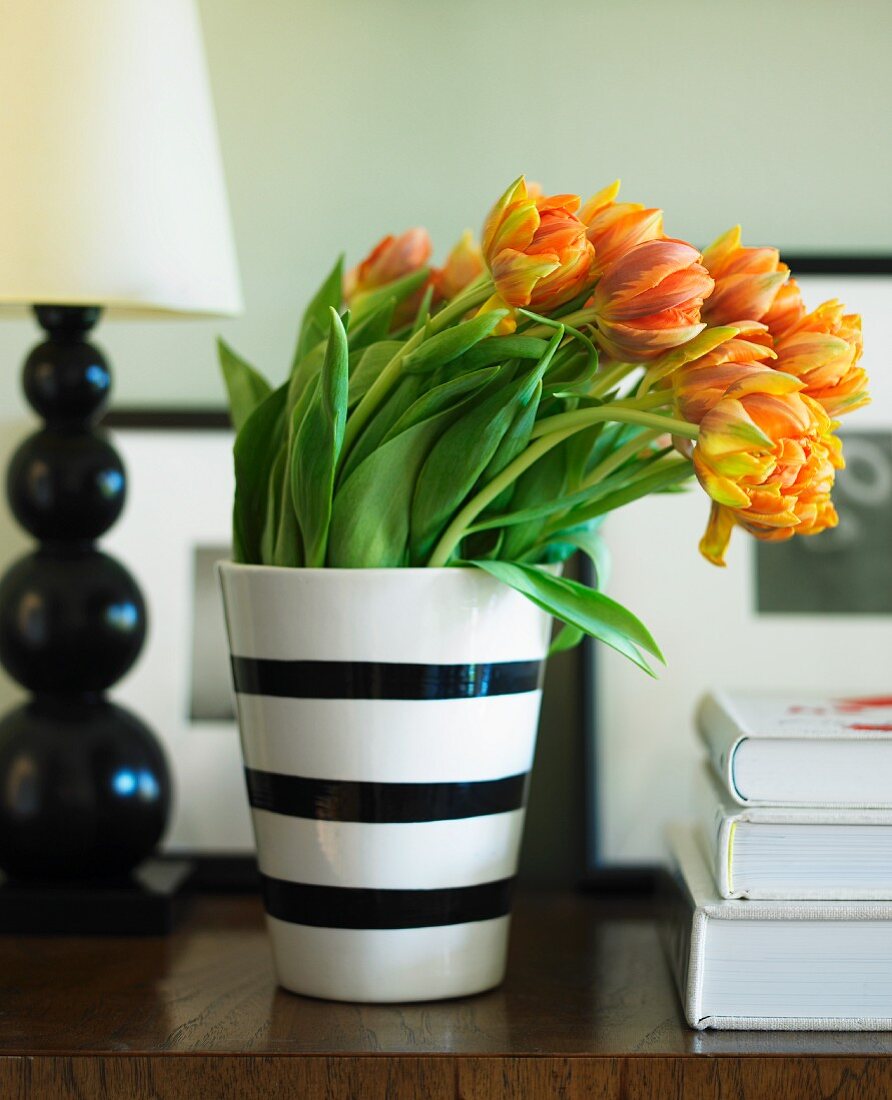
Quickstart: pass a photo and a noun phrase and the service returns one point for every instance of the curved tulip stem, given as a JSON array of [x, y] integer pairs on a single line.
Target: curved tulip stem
[[561, 428], [620, 412]]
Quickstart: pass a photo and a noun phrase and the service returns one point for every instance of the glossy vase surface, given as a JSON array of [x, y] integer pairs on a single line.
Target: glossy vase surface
[[388, 721]]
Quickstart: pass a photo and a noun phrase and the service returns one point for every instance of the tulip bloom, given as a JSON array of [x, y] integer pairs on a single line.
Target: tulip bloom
[[649, 300], [767, 457], [701, 383], [786, 309], [747, 280], [615, 227], [390, 259], [823, 350], [536, 249], [463, 265]]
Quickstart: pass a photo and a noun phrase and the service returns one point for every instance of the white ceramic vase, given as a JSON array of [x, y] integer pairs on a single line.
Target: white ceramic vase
[[388, 721]]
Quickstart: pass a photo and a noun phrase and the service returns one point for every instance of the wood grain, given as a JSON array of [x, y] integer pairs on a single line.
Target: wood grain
[[588, 1010]]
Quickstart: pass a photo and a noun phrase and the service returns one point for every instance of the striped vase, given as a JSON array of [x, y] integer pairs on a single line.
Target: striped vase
[[388, 721]]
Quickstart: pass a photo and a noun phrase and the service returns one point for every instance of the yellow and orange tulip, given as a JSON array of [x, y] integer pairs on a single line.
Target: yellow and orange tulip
[[615, 227], [823, 350], [767, 457], [536, 249], [747, 280], [649, 300]]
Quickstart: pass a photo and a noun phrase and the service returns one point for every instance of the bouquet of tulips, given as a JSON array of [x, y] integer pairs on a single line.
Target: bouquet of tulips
[[492, 411]]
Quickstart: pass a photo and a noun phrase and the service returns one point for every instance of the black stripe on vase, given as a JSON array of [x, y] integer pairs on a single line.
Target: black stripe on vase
[[347, 907], [344, 800], [382, 679]]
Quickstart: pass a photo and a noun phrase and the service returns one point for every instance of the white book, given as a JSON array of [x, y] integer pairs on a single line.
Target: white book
[[797, 750], [774, 965], [794, 852]]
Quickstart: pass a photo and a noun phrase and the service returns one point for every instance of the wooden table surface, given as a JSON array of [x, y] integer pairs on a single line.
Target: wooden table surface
[[588, 1010]]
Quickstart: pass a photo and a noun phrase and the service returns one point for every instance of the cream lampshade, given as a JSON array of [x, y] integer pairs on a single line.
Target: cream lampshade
[[111, 184], [111, 198]]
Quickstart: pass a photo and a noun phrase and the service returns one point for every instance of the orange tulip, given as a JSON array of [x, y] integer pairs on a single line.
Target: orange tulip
[[391, 258], [615, 227], [747, 280], [823, 350], [536, 249], [767, 457], [463, 265], [701, 383], [649, 300]]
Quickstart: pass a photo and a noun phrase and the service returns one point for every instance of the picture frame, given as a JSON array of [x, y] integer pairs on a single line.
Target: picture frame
[[176, 524], [771, 619]]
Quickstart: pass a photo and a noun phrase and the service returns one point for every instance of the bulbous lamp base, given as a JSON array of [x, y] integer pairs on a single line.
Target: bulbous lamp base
[[84, 786], [84, 790]]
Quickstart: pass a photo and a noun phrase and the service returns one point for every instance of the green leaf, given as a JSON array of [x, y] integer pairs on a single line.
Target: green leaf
[[463, 453], [317, 446], [655, 481], [370, 518], [543, 482], [315, 325], [245, 386], [591, 543], [499, 349], [442, 397], [567, 638], [583, 608], [423, 314], [374, 359], [451, 343], [256, 449], [372, 435], [373, 327], [396, 292], [273, 506]]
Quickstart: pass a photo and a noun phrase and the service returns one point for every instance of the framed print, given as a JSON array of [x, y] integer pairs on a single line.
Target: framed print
[[175, 527], [813, 614]]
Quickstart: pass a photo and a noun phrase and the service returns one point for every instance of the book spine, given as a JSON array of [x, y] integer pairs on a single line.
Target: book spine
[[721, 736]]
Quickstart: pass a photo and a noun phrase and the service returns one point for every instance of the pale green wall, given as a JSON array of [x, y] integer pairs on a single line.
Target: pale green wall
[[345, 119], [342, 119]]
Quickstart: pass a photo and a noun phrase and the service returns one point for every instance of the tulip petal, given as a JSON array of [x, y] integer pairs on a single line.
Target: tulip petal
[[717, 535]]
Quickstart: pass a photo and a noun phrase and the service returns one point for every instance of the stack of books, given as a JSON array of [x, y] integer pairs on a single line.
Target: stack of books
[[780, 916]]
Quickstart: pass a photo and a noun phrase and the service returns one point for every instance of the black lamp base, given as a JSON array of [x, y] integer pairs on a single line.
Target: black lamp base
[[148, 902], [84, 786]]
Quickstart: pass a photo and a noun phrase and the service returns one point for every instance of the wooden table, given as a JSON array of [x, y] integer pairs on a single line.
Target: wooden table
[[588, 1010]]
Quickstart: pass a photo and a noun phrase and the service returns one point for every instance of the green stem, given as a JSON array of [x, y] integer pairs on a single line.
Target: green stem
[[561, 428], [454, 533], [605, 382], [623, 414], [620, 456]]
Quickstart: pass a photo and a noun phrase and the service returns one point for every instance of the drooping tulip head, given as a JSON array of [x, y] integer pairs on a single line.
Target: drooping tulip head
[[615, 227], [823, 350], [767, 457], [649, 300], [536, 249], [747, 280]]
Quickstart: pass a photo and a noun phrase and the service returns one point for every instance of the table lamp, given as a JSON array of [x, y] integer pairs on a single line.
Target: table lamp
[[112, 199]]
